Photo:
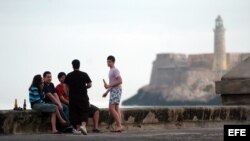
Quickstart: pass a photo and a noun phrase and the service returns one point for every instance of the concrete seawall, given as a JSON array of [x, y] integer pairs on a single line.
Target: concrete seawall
[[12, 122]]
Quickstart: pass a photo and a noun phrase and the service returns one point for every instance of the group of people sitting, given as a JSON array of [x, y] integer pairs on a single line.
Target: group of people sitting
[[68, 102]]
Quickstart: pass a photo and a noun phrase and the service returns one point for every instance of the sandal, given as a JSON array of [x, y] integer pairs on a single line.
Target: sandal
[[96, 131], [117, 131], [56, 132]]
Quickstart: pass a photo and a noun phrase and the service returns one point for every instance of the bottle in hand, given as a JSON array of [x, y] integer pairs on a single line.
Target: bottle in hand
[[105, 83]]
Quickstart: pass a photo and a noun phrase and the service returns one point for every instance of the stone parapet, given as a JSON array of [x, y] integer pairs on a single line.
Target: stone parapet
[[12, 122]]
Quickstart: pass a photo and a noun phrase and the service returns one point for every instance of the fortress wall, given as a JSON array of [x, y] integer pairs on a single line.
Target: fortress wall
[[166, 61], [169, 76], [170, 67], [153, 77], [190, 76], [201, 61], [233, 59], [171, 60]]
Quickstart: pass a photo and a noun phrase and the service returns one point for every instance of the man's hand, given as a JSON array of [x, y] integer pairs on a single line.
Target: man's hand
[[89, 85], [60, 107], [106, 86], [104, 95]]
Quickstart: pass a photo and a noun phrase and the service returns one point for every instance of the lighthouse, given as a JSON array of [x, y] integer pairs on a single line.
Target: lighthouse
[[220, 57]]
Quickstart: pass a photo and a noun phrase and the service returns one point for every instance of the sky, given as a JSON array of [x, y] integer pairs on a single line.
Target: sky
[[41, 35]]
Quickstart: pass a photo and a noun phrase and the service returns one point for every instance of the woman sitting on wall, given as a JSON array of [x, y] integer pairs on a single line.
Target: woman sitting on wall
[[36, 97]]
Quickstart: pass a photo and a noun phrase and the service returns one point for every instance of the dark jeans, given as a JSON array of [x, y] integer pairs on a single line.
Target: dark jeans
[[65, 112]]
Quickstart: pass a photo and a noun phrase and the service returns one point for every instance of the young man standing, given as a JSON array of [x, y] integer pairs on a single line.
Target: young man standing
[[93, 110], [115, 89], [77, 83]]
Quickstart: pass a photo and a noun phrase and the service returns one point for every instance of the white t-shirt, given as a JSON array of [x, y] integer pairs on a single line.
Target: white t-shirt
[[114, 73]]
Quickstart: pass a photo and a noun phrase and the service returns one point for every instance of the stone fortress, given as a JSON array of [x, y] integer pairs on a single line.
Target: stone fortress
[[178, 79]]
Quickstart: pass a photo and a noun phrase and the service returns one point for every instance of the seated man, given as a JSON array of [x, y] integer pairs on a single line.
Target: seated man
[[93, 110], [52, 97], [60, 89]]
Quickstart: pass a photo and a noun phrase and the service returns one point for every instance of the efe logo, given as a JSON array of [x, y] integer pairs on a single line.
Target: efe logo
[[236, 132], [241, 132]]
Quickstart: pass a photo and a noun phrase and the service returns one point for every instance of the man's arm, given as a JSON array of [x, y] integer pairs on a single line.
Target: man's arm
[[66, 89], [51, 97], [54, 99], [64, 100], [58, 100], [106, 93]]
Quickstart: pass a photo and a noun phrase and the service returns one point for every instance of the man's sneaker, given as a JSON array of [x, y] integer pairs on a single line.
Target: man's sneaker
[[83, 130], [76, 132]]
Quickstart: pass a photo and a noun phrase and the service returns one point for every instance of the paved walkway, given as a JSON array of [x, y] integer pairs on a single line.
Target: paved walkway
[[193, 134]]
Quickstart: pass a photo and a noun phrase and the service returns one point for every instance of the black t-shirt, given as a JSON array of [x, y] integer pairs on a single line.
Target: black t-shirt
[[77, 81], [48, 88]]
